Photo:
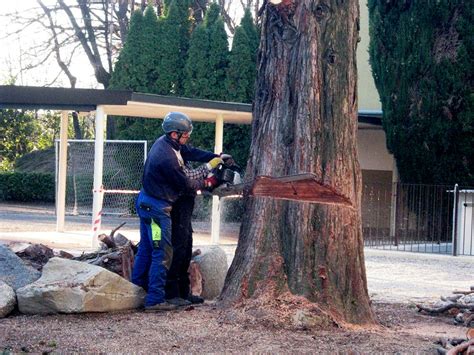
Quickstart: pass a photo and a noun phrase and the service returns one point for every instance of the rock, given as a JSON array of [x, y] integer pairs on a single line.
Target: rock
[[69, 286], [304, 319], [212, 264], [7, 299], [14, 271]]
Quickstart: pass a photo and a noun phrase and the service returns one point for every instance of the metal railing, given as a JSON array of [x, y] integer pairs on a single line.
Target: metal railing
[[418, 218]]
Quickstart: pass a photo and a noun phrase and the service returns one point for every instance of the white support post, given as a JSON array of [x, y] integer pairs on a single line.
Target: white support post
[[98, 194], [62, 167], [216, 215], [393, 202]]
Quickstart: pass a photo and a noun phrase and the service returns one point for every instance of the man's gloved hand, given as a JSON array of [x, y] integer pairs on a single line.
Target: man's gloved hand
[[214, 163], [227, 158], [210, 182]]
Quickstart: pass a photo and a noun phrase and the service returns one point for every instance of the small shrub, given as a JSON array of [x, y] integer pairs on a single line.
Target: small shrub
[[26, 187]]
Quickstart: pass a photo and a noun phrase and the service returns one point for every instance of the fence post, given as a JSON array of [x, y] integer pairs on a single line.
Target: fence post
[[394, 205], [455, 220]]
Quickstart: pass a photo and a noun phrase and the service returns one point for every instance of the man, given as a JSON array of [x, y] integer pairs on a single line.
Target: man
[[164, 181]]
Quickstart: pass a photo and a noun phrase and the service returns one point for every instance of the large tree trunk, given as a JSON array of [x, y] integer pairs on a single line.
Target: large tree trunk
[[305, 120]]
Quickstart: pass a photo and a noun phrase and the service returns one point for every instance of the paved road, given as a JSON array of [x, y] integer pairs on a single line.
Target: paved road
[[393, 276]]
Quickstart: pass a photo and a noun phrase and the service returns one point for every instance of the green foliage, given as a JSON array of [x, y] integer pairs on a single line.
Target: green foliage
[[16, 130], [27, 187], [137, 64], [137, 69], [208, 58], [173, 48], [240, 81], [22, 132], [421, 56]]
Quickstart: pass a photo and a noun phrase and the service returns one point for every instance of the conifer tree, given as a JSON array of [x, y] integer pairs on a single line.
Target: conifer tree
[[240, 79], [173, 48], [240, 83], [207, 58], [137, 62], [206, 69], [421, 55], [137, 69]]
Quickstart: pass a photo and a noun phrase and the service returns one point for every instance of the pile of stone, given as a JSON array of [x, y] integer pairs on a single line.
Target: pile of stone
[[36, 280], [63, 286]]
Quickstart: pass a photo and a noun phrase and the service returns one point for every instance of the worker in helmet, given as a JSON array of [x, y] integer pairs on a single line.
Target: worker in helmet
[[164, 181]]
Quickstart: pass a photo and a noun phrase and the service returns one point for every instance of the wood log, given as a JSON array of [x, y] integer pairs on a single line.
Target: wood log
[[463, 292], [107, 240], [118, 260], [461, 347], [438, 310]]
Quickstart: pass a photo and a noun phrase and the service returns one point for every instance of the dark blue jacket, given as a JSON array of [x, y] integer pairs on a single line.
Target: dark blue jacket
[[163, 177]]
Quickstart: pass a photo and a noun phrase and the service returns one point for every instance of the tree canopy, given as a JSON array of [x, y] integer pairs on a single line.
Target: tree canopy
[[421, 56]]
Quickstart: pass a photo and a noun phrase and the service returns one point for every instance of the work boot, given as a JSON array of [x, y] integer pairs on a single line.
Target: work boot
[[195, 299], [163, 306], [179, 302]]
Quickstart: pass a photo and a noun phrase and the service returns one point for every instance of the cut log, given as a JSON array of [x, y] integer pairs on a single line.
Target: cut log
[[437, 310], [107, 240], [463, 292], [460, 348], [37, 255], [300, 187], [118, 260]]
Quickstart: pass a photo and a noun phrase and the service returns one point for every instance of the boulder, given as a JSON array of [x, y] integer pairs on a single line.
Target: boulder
[[7, 299], [14, 271], [211, 265], [68, 286]]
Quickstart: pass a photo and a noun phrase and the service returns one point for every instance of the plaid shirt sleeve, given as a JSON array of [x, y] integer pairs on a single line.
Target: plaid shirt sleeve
[[196, 174]]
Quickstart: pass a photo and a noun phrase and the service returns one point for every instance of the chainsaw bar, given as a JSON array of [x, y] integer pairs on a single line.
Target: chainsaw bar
[[299, 187]]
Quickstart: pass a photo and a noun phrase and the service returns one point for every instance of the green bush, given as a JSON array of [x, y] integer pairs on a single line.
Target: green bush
[[25, 187]]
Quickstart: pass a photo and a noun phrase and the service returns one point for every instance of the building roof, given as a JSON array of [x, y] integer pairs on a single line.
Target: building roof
[[129, 103]]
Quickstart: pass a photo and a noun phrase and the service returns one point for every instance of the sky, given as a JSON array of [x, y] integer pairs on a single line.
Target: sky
[[14, 53]]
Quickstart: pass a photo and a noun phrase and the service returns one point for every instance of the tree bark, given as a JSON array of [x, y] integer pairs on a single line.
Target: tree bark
[[305, 121]]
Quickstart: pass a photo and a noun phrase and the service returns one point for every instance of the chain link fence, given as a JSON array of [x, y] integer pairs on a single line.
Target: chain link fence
[[122, 173]]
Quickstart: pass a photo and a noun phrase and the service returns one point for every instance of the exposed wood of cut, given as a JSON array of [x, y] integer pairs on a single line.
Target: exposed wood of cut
[[302, 187], [299, 187]]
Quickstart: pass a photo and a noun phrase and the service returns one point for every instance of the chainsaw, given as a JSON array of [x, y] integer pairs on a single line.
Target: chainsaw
[[227, 173]]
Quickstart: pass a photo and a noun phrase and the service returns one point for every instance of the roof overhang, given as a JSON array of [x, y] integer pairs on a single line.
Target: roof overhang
[[157, 106], [128, 103]]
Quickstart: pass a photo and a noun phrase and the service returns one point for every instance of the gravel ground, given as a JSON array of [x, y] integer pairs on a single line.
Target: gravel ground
[[396, 281], [208, 329]]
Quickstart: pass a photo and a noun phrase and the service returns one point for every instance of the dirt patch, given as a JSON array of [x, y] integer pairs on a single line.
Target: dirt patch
[[209, 329]]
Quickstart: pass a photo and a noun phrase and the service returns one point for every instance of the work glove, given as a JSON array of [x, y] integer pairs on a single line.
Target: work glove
[[227, 158], [214, 163], [210, 182]]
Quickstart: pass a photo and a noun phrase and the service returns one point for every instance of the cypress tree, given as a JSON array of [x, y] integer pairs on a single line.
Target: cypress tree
[[208, 58], [242, 63], [421, 55], [137, 62], [240, 84], [206, 69], [137, 69], [173, 48]]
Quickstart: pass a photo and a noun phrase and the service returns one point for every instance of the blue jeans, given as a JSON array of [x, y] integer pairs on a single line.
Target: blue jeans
[[155, 251]]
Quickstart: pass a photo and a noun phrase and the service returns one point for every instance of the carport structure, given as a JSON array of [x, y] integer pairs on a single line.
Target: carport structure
[[118, 103]]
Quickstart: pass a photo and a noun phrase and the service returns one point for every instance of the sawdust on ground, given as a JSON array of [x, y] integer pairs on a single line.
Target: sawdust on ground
[[210, 329]]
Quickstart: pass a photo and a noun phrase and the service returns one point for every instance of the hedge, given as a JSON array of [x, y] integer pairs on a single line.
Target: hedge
[[26, 187]]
